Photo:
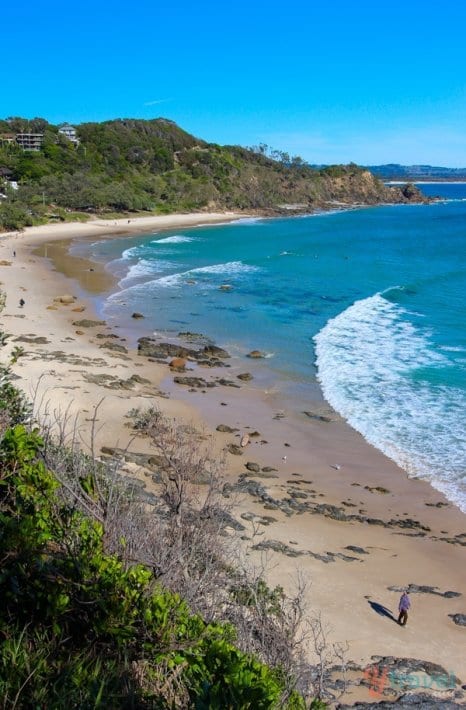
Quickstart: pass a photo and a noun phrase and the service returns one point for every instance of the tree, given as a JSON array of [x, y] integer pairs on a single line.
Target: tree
[[13, 216]]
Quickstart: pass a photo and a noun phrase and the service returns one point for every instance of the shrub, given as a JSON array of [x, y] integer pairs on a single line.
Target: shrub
[[77, 623]]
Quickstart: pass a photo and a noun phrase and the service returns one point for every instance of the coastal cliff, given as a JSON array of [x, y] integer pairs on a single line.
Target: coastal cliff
[[130, 165]]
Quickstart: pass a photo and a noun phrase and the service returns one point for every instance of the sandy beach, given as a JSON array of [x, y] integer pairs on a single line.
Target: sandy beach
[[356, 526]]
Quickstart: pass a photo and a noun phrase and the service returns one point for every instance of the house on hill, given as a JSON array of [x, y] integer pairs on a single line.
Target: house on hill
[[7, 138], [30, 141], [69, 132]]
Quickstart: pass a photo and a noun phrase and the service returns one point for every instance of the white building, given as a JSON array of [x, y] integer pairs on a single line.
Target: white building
[[69, 132]]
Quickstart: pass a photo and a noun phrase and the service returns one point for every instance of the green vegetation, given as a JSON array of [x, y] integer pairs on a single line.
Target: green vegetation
[[129, 165], [84, 624], [77, 625]]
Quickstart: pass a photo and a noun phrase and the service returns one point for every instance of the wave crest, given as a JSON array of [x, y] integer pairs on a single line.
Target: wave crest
[[175, 239], [372, 364]]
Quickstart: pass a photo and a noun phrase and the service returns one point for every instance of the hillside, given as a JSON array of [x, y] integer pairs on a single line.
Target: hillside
[[78, 622], [137, 165]]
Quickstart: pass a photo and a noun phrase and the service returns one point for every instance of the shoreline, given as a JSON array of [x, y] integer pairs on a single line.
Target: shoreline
[[346, 472]]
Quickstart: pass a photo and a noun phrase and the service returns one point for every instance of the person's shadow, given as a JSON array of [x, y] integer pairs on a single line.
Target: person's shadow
[[382, 610]]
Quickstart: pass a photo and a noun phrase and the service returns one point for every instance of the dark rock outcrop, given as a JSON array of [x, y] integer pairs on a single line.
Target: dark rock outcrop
[[226, 429], [424, 589], [197, 382], [151, 348], [214, 351], [252, 466], [86, 323], [458, 619], [149, 461], [235, 449], [115, 347], [355, 548]]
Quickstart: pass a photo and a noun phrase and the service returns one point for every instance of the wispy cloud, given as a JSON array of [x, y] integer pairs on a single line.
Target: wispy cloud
[[156, 101]]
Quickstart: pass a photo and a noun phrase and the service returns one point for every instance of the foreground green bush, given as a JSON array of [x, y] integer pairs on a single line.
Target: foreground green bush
[[79, 630]]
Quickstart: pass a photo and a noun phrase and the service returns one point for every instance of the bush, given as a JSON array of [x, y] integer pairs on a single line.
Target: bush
[[77, 623], [13, 216]]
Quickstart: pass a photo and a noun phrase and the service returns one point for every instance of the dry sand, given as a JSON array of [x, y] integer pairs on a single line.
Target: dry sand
[[316, 461]]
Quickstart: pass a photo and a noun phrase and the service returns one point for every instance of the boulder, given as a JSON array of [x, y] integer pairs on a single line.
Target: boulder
[[214, 351], [255, 354], [178, 364], [252, 466], [235, 449], [245, 376], [226, 429], [137, 316], [151, 348]]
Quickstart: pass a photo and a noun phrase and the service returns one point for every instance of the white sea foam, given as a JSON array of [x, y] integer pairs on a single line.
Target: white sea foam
[[452, 348], [144, 268], [366, 358], [246, 220], [169, 280], [147, 267], [131, 253], [230, 267], [176, 239]]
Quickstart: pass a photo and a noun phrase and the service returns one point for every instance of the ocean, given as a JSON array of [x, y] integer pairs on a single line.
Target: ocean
[[367, 304]]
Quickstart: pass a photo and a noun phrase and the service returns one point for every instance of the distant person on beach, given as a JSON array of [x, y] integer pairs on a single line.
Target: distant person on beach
[[403, 606], [21, 302], [14, 253]]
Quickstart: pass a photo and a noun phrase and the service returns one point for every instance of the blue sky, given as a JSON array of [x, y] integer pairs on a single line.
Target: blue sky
[[371, 82]]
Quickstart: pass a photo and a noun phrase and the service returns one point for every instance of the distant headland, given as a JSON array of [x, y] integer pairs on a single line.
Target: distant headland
[[67, 173], [394, 171]]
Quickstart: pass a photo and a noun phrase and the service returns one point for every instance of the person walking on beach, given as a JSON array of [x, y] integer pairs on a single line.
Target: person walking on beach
[[403, 606]]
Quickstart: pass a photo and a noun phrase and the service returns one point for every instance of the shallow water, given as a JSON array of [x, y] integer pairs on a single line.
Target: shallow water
[[369, 301]]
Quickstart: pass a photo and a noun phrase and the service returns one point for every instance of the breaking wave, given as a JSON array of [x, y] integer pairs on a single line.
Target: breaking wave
[[391, 384]]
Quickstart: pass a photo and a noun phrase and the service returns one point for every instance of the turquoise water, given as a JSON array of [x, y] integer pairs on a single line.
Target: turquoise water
[[369, 302]]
